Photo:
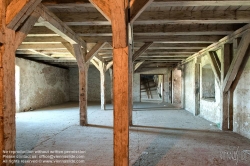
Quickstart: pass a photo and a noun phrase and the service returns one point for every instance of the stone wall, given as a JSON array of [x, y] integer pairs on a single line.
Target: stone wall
[[136, 83], [241, 104], [39, 85], [93, 85]]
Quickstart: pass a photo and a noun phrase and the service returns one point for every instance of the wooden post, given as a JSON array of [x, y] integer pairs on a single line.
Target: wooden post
[[102, 68], [183, 87], [83, 77], [121, 59], [83, 89], [7, 93], [13, 15], [197, 87], [171, 86], [117, 13], [225, 64]]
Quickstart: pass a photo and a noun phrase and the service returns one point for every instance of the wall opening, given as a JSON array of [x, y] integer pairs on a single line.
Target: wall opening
[[208, 83], [151, 87]]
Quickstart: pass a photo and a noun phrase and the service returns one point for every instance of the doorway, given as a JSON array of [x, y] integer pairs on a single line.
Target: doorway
[[151, 88]]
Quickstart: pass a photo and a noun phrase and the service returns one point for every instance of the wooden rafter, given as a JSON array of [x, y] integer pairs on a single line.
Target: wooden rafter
[[18, 11], [69, 47], [141, 50], [109, 65], [215, 67], [26, 27], [103, 7], [137, 65], [51, 21], [237, 61], [94, 50], [137, 7]]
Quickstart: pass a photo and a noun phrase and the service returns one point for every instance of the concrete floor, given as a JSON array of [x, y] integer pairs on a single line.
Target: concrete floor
[[162, 135]]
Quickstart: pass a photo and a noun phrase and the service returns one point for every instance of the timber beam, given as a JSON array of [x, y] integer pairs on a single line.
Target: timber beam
[[53, 23]]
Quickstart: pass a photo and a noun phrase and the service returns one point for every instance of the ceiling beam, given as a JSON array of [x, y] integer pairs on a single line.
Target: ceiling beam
[[66, 3], [163, 39], [173, 17], [140, 30], [40, 53], [178, 39], [160, 3], [52, 22], [194, 17], [155, 3], [41, 46]]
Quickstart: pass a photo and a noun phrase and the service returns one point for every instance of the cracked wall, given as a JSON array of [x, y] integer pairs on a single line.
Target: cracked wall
[[39, 85]]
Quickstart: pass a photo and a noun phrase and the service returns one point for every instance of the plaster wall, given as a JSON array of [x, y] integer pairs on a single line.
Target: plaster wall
[[241, 104], [189, 86], [39, 85], [136, 83], [94, 92]]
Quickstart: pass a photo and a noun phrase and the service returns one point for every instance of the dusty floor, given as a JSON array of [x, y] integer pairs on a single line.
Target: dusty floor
[[161, 135]]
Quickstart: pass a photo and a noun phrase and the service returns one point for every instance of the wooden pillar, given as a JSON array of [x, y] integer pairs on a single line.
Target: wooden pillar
[[197, 86], [7, 87], [102, 68], [121, 82], [225, 64], [7, 92], [83, 82], [183, 87], [171, 86]]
